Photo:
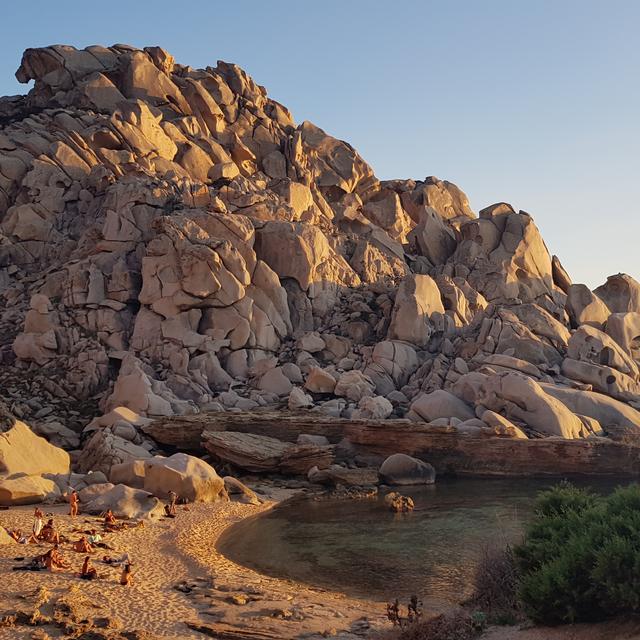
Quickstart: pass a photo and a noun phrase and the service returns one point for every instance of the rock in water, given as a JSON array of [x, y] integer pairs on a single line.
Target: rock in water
[[400, 469], [398, 503]]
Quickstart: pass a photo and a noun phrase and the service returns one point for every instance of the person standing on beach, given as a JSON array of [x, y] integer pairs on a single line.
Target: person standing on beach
[[37, 523], [73, 504], [170, 509]]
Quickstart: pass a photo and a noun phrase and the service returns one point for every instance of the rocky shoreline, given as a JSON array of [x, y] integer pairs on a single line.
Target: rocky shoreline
[[187, 277], [241, 438]]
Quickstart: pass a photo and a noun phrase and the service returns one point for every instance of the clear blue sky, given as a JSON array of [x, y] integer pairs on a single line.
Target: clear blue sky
[[535, 103]]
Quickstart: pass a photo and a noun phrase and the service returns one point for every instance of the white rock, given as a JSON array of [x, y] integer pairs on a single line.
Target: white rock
[[374, 408], [298, 399], [188, 476]]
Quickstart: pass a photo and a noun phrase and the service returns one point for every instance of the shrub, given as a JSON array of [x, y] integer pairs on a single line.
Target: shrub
[[580, 560], [453, 626], [495, 585]]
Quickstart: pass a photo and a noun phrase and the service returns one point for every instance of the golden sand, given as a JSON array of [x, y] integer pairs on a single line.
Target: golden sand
[[169, 553]]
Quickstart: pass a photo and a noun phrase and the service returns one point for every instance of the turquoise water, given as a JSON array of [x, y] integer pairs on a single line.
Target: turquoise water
[[360, 548]]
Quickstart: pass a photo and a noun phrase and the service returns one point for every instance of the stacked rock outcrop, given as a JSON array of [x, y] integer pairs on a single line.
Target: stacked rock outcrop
[[172, 242]]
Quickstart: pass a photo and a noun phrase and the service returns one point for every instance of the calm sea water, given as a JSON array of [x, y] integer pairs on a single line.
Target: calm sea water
[[360, 548]]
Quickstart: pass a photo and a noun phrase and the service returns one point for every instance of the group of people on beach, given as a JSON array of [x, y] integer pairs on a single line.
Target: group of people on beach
[[53, 560]]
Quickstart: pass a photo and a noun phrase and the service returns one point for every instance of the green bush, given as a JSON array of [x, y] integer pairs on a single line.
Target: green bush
[[580, 560]]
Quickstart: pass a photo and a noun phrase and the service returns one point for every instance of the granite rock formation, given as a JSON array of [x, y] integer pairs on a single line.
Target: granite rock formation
[[172, 242]]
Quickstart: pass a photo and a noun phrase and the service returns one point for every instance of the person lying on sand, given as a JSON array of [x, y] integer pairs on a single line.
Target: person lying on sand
[[20, 538], [88, 572], [126, 577], [122, 559], [82, 545], [74, 504]]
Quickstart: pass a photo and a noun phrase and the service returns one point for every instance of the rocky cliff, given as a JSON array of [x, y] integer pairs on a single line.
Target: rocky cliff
[[172, 242]]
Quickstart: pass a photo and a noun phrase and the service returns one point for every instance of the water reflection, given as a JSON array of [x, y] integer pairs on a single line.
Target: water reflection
[[361, 548]]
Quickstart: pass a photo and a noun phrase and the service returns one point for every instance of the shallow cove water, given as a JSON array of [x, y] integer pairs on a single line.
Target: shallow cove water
[[360, 548]]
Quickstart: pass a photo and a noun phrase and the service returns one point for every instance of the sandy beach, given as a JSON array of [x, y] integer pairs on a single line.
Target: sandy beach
[[181, 582]]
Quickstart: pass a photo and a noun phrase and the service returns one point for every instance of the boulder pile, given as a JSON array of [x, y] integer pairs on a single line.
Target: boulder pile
[[172, 242]]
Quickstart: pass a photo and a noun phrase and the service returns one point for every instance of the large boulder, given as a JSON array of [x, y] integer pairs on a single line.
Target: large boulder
[[105, 449], [621, 293], [522, 399], [501, 426], [26, 489], [258, 453], [505, 255], [392, 362], [439, 404], [274, 381], [22, 451], [624, 328], [585, 307], [607, 411], [433, 237], [418, 297], [354, 385], [373, 408], [400, 469], [336, 475], [603, 379], [319, 381], [130, 473], [125, 502], [186, 475], [588, 344], [302, 252]]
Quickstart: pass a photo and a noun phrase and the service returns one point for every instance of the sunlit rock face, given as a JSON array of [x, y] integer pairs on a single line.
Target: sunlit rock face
[[171, 241]]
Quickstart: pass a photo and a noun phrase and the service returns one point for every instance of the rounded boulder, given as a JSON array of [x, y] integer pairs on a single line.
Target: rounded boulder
[[401, 469], [188, 476]]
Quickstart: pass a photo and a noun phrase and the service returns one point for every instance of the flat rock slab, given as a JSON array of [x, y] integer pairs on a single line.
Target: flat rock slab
[[494, 456], [185, 432], [259, 453]]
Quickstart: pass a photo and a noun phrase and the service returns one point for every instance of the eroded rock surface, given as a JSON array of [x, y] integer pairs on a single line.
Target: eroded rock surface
[[172, 242]]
